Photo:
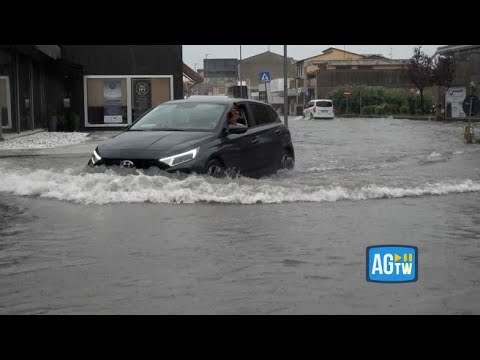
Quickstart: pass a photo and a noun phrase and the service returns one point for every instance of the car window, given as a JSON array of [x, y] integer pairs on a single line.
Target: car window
[[324, 103], [274, 114], [186, 116], [243, 116], [262, 114], [310, 104]]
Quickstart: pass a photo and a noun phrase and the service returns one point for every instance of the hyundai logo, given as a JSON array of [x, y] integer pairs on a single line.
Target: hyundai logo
[[127, 164]]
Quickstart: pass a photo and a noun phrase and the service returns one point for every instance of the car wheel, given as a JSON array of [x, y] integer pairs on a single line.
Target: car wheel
[[288, 161], [215, 168], [311, 116]]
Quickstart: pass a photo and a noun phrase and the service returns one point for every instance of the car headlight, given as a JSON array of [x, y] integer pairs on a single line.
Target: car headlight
[[95, 157], [180, 158]]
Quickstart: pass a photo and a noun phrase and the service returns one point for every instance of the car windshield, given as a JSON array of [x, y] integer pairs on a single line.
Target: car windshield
[[181, 117]]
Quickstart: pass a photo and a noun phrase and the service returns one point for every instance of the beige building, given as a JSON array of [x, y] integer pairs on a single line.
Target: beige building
[[268, 61], [306, 70], [317, 75]]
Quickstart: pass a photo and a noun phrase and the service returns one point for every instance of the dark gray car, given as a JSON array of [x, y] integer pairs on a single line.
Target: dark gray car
[[192, 136]]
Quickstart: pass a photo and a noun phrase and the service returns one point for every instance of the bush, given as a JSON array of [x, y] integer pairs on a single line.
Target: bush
[[369, 110], [75, 122], [61, 123], [377, 100]]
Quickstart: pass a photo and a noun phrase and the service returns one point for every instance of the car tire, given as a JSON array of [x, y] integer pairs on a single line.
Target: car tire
[[311, 116], [215, 168], [287, 160]]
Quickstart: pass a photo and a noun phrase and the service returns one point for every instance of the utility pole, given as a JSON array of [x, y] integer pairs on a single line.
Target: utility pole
[[1, 127], [240, 72], [205, 73], [296, 92], [285, 86], [360, 101]]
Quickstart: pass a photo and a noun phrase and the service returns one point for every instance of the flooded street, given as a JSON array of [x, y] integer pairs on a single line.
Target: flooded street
[[77, 241]]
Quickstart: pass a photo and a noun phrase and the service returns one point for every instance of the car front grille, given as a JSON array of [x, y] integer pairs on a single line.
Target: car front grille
[[138, 163]]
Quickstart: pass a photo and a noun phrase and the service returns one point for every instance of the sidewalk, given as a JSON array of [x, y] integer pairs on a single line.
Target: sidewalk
[[38, 140], [10, 136]]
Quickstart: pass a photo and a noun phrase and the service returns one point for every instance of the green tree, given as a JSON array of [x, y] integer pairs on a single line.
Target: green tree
[[421, 73]]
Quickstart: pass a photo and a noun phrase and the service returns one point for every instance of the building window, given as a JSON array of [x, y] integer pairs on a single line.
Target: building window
[[107, 101], [5, 110], [121, 100], [148, 93]]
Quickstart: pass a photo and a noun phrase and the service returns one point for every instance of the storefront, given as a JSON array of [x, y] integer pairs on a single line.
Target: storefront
[[119, 100], [105, 86], [5, 103], [22, 101]]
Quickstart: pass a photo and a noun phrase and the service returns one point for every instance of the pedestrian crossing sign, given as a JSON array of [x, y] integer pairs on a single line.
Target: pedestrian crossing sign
[[264, 77]]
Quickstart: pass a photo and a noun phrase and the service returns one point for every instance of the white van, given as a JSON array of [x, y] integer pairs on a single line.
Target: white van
[[319, 109]]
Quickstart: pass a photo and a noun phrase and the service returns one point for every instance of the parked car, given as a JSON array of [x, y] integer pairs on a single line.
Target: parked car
[[319, 109], [192, 136]]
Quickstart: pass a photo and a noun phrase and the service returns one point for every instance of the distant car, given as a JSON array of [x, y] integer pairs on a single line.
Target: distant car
[[192, 136], [319, 109]]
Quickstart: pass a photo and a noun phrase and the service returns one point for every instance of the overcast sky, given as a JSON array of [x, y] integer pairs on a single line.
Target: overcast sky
[[194, 54]]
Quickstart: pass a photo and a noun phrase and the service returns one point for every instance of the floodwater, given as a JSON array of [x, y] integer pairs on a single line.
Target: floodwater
[[77, 241]]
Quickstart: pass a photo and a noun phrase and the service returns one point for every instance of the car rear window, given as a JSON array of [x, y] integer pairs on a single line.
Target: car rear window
[[324, 103]]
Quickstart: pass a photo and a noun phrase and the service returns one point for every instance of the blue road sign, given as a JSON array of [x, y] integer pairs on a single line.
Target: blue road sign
[[264, 77]]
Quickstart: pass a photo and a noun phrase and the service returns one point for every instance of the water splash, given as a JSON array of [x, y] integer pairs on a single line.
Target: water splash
[[111, 187]]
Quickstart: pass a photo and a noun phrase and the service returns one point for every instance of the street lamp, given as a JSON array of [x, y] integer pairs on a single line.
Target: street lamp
[[285, 86], [205, 72]]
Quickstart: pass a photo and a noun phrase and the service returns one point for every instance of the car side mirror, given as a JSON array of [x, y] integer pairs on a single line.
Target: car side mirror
[[236, 129]]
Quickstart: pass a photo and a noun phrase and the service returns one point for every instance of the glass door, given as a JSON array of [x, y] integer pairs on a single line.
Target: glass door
[[5, 111]]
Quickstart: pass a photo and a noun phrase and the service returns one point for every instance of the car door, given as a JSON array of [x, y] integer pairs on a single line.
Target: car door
[[265, 145], [309, 108], [237, 149]]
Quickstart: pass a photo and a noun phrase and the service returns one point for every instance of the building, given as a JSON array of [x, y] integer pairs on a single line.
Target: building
[[318, 75], [267, 61], [105, 86], [191, 79], [222, 76], [306, 70], [368, 71], [467, 73], [219, 75], [276, 95]]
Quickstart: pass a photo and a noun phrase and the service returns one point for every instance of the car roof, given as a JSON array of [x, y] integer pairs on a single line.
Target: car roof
[[214, 100], [321, 100]]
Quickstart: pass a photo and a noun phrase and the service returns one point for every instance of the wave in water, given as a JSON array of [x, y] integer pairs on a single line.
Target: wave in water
[[109, 187]]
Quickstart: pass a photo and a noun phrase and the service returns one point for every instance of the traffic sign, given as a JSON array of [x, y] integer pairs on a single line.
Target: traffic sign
[[475, 105], [347, 93], [264, 77]]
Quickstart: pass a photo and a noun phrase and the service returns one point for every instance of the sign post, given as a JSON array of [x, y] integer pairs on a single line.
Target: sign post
[[471, 106], [347, 95], [264, 77]]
